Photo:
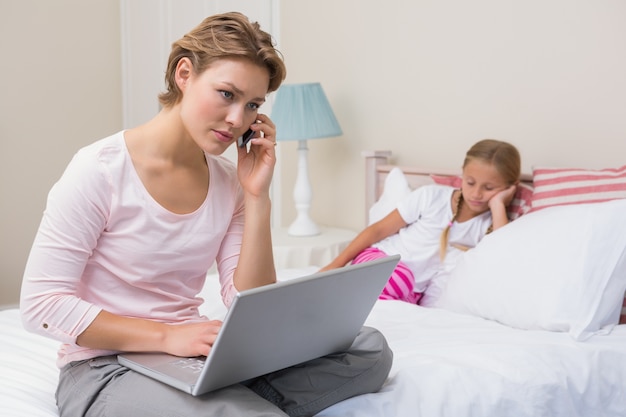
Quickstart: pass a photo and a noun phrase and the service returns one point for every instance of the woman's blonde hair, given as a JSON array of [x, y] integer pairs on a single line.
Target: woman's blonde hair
[[506, 160], [227, 35]]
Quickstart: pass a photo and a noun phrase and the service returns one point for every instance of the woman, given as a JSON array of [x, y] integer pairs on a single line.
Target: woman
[[137, 219]]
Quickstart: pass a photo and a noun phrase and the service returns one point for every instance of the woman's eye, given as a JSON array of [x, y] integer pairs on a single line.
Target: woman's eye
[[226, 94], [253, 106]]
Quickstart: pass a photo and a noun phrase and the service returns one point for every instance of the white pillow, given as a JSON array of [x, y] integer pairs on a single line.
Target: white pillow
[[395, 189], [562, 269]]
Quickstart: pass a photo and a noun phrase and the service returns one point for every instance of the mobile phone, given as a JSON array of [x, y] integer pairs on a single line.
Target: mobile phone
[[245, 138]]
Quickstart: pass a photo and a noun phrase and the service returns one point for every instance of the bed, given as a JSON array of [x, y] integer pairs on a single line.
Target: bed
[[533, 333]]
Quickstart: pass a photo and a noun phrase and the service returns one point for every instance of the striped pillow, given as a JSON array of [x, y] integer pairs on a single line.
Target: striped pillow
[[562, 186]]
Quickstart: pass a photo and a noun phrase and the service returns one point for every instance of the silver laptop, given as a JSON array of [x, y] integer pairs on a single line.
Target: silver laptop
[[276, 326]]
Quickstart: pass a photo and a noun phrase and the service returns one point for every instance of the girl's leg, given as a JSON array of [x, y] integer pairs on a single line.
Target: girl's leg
[[306, 389], [401, 282]]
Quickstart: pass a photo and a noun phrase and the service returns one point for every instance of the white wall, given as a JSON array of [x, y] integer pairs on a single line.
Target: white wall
[[60, 89], [424, 78], [427, 78]]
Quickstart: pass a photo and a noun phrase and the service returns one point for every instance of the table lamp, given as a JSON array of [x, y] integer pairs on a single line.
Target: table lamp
[[302, 112]]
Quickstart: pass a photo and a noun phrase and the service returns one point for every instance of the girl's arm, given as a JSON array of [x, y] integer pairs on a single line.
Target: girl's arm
[[376, 232], [498, 204]]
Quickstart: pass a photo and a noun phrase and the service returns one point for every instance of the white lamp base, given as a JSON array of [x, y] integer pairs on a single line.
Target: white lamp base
[[303, 226], [302, 195]]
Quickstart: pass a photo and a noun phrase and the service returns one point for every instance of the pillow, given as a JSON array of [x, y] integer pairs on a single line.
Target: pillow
[[519, 206], [396, 187], [449, 180], [561, 186], [561, 269]]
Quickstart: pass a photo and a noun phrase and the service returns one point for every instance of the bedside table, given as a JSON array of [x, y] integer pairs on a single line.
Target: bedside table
[[299, 252]]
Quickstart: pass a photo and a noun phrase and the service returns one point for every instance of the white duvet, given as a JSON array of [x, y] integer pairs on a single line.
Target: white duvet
[[445, 364], [451, 365]]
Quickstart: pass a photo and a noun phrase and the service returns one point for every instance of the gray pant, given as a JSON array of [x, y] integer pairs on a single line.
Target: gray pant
[[101, 387]]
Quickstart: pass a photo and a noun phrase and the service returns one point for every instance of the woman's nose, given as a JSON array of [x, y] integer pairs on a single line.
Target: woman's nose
[[235, 116]]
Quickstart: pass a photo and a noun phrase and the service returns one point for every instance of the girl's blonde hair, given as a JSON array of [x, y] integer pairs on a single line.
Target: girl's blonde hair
[[227, 35], [506, 160]]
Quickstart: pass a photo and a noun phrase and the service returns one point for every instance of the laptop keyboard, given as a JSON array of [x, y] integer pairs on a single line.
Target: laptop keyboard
[[193, 364]]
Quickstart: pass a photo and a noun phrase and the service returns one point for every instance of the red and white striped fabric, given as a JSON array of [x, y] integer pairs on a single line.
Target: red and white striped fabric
[[401, 282], [521, 203], [562, 186]]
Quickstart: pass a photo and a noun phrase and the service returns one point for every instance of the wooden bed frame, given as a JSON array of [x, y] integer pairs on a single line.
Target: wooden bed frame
[[378, 166]]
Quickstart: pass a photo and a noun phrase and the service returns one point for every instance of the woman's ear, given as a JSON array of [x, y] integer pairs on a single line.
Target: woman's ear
[[184, 70]]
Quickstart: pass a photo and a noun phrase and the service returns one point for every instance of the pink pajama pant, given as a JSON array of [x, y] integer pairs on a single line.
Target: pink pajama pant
[[401, 282]]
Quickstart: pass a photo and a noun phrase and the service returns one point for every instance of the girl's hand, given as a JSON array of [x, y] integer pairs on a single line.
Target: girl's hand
[[256, 167], [498, 204], [192, 339], [504, 197]]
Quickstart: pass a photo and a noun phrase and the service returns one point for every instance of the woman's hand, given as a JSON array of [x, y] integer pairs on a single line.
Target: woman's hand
[[192, 339], [256, 167]]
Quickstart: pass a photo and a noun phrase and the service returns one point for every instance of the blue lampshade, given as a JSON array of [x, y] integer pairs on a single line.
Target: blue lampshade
[[302, 112]]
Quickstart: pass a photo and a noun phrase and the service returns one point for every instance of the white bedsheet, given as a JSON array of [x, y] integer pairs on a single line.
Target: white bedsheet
[[450, 365], [445, 364], [28, 369]]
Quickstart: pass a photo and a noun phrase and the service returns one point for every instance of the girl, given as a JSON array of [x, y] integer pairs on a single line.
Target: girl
[[135, 222], [435, 223]]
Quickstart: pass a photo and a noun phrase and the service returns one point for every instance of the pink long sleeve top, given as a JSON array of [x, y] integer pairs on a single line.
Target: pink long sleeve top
[[105, 243]]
